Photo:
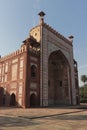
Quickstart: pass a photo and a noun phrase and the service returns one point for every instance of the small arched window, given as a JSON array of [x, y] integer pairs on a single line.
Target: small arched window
[[33, 71]]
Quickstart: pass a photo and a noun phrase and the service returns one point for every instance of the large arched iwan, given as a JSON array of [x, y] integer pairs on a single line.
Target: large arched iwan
[[59, 82]]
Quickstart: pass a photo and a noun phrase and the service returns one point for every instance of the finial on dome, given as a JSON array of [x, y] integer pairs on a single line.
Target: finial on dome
[[71, 38], [41, 14]]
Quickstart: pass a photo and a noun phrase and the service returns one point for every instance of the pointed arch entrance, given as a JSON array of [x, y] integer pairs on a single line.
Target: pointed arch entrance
[[58, 79], [12, 100], [33, 100]]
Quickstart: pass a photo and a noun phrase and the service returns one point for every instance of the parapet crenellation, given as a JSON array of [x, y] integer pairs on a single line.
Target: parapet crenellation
[[17, 52], [58, 34]]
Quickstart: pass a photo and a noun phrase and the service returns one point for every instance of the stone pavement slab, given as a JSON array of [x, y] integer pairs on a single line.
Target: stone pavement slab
[[61, 118]]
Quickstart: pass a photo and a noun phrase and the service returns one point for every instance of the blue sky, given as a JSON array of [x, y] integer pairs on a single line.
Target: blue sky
[[68, 17]]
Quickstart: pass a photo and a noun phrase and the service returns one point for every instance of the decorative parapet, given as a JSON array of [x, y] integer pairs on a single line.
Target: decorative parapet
[[57, 34], [17, 52]]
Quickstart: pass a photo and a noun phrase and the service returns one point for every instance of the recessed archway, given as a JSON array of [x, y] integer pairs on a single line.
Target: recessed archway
[[12, 100], [58, 79], [1, 95], [33, 100], [33, 71]]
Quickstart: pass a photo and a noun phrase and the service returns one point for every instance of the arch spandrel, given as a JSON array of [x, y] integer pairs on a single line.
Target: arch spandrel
[[33, 92], [52, 48], [62, 55]]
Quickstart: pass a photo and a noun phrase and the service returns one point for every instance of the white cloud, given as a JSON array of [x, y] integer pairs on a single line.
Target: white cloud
[[83, 66]]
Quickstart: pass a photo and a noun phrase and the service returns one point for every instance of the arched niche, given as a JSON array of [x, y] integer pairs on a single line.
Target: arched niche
[[33, 71]]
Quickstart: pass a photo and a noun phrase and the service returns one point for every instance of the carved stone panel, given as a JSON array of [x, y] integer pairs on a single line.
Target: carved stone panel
[[14, 71]]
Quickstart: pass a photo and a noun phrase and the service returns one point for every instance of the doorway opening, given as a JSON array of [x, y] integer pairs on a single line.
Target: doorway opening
[[33, 100], [12, 100]]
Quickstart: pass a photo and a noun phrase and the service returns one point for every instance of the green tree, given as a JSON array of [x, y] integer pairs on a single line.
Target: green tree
[[84, 79], [83, 93], [83, 89]]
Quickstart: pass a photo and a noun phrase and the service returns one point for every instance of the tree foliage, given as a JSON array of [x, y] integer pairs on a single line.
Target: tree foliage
[[83, 89], [84, 78], [83, 93]]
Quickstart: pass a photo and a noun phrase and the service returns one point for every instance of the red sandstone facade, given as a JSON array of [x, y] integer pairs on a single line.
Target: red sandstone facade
[[41, 73]]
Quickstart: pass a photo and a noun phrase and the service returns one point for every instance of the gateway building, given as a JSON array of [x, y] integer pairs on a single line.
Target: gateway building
[[42, 72]]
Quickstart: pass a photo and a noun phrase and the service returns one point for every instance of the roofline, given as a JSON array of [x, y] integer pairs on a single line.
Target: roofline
[[55, 32]]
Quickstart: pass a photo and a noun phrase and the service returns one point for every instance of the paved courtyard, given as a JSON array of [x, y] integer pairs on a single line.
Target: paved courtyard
[[60, 118]]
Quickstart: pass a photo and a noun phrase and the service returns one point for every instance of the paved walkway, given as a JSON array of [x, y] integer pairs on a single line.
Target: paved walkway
[[61, 118]]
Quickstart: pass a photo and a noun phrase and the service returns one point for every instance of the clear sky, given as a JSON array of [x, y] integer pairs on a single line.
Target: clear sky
[[68, 17]]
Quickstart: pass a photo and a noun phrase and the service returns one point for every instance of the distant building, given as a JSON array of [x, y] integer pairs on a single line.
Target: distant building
[[42, 72]]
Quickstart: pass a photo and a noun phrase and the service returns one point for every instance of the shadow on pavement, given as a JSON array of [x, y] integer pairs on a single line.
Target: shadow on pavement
[[15, 122], [70, 117], [64, 115]]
